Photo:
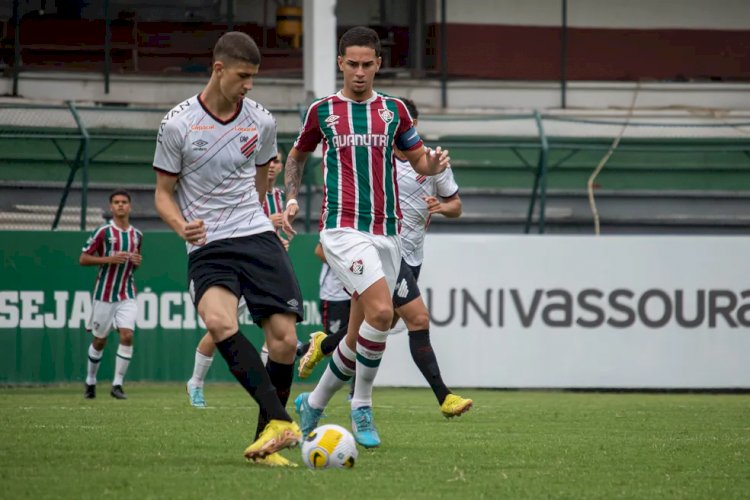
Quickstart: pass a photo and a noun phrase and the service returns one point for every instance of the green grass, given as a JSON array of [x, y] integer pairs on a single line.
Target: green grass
[[54, 444]]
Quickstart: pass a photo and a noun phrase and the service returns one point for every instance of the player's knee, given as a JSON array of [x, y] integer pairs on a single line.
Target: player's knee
[[219, 324], [418, 321], [126, 337], [381, 317]]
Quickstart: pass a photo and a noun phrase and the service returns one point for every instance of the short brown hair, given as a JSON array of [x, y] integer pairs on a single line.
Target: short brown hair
[[119, 192], [360, 36], [235, 46]]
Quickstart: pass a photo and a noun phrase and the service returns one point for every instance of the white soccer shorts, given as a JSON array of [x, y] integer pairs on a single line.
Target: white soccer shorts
[[106, 316], [360, 259]]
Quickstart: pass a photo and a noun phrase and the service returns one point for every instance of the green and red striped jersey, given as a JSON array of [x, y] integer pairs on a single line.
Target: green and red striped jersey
[[274, 202], [359, 177], [114, 282]]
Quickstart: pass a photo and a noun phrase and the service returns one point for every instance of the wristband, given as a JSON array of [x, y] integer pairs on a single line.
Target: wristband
[[291, 201]]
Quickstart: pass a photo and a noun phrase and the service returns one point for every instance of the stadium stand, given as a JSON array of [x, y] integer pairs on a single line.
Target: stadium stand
[[669, 174]]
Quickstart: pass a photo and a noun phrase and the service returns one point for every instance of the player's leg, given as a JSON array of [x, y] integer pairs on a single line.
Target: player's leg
[[335, 315], [281, 339], [126, 313], [270, 289], [99, 325], [218, 309], [417, 320], [204, 357], [338, 372]]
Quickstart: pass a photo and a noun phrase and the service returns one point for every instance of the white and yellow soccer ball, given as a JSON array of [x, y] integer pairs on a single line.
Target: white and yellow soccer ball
[[329, 446]]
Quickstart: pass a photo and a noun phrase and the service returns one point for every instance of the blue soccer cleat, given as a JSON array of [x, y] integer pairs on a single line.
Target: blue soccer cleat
[[195, 395], [364, 430], [308, 416]]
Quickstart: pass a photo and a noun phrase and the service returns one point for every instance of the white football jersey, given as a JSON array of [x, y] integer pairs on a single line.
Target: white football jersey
[[331, 287], [215, 161], [412, 188]]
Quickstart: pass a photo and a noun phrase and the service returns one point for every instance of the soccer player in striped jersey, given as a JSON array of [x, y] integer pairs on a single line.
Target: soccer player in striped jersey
[[420, 197], [359, 129], [116, 248], [211, 157]]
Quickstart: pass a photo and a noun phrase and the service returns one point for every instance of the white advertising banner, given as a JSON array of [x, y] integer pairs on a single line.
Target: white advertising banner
[[583, 312]]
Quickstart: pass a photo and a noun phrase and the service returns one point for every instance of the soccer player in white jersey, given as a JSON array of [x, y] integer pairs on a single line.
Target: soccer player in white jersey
[[359, 129], [421, 197], [204, 353], [116, 248], [211, 157]]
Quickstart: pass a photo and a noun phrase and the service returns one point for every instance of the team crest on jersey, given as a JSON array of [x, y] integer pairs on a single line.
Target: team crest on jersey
[[357, 267], [386, 115], [332, 119], [248, 144]]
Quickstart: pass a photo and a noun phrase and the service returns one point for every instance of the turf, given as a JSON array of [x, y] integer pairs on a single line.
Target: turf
[[54, 444]]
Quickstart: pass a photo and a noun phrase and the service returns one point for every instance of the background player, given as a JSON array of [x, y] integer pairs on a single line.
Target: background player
[[116, 248]]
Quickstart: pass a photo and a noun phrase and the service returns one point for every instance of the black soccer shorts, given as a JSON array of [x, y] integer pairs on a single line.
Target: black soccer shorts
[[255, 267]]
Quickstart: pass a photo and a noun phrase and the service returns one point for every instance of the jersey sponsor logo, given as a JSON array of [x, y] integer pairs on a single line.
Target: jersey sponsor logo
[[332, 119], [199, 145], [357, 267], [246, 129], [199, 128], [386, 115], [353, 140]]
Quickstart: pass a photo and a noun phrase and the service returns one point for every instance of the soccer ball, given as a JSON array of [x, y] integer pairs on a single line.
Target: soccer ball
[[329, 446]]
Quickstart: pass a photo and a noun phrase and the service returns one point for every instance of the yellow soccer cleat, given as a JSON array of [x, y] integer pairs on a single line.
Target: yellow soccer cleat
[[313, 355], [275, 460], [454, 406], [277, 435]]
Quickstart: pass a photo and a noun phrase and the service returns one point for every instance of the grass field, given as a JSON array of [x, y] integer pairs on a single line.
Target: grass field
[[512, 445]]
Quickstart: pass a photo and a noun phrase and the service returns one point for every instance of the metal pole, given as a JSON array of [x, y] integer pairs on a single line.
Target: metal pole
[[107, 47], [17, 45], [443, 58], [85, 141], [564, 54]]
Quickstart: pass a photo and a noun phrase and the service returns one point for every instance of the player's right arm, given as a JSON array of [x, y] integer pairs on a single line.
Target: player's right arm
[[193, 232], [87, 259], [293, 170]]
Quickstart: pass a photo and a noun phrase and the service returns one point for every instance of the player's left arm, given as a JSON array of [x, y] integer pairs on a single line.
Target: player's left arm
[[425, 161], [450, 207], [136, 258], [261, 180]]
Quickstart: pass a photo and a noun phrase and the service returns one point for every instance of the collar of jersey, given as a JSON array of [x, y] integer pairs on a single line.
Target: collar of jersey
[[374, 96], [216, 118]]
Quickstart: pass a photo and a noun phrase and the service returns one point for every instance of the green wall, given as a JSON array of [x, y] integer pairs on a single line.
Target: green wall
[[44, 295]]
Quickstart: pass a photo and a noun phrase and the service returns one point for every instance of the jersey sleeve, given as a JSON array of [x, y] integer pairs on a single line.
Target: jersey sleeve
[[310, 134], [168, 154], [95, 242], [446, 184], [268, 147], [407, 137]]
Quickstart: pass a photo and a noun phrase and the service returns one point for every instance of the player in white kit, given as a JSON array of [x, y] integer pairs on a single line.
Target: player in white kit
[[211, 158]]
